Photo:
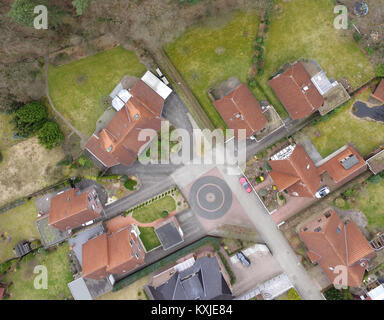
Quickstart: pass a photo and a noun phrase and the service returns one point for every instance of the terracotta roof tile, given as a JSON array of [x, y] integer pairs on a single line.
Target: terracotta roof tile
[[95, 256], [289, 87], [240, 110], [379, 92], [118, 142], [337, 244]]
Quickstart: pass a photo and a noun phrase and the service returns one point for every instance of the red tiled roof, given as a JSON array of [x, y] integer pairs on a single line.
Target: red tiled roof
[[289, 87], [71, 208], [111, 254], [297, 174], [337, 244], [2, 292], [379, 92], [118, 142], [335, 169], [240, 110]]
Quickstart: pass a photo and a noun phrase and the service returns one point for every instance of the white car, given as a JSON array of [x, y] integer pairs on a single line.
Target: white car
[[322, 192]]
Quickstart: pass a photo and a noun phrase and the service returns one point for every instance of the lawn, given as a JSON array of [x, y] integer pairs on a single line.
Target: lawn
[[77, 88], [152, 212], [149, 238], [291, 294], [304, 29], [134, 291], [208, 54], [17, 224], [57, 265], [342, 127]]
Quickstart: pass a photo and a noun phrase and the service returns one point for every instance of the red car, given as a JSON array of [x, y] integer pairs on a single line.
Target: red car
[[245, 184]]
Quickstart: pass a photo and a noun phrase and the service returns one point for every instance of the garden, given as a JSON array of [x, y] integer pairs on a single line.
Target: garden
[[210, 53], [78, 88], [15, 225], [340, 127], [20, 276], [309, 26]]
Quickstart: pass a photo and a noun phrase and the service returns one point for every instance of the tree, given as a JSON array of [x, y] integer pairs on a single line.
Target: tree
[[84, 162], [50, 135], [164, 214], [22, 12], [80, 6], [380, 70], [1, 157], [30, 118]]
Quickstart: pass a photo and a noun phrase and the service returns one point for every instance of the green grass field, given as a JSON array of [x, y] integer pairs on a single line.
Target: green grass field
[[59, 275], [304, 29], [78, 87], [149, 238], [343, 127], [19, 224], [153, 211], [208, 54]]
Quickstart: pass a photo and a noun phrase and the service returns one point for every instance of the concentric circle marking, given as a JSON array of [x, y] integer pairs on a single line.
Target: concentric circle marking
[[210, 197]]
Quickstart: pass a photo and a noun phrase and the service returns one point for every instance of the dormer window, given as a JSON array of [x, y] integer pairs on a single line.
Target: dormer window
[[109, 148], [338, 230], [136, 116]]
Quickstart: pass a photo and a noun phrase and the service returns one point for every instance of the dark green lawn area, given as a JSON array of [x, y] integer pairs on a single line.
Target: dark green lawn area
[[208, 54], [152, 211], [304, 29], [149, 238], [343, 127], [18, 224], [78, 87], [59, 275]]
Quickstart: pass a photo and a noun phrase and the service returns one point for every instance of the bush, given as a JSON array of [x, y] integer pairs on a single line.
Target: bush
[[22, 12], [268, 166], [84, 162], [334, 294], [263, 192], [1, 157], [380, 70], [164, 214], [50, 135], [357, 36], [374, 179], [293, 295], [130, 184], [369, 50], [80, 6], [252, 83], [227, 268], [30, 118]]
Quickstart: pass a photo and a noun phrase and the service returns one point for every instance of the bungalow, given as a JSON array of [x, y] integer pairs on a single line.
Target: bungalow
[[240, 110], [72, 208], [303, 88], [379, 92], [116, 253], [332, 243], [190, 280], [137, 110]]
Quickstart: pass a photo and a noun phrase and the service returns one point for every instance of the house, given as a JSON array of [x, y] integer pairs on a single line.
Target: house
[[297, 92], [192, 279], [240, 110], [137, 110], [377, 293], [343, 164], [72, 208], [294, 171], [116, 253], [332, 243], [379, 92]]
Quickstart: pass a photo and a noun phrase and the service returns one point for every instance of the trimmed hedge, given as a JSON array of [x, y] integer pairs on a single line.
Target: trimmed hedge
[[228, 268]]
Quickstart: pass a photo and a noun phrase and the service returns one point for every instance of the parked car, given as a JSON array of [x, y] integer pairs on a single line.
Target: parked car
[[243, 259], [245, 184], [322, 192]]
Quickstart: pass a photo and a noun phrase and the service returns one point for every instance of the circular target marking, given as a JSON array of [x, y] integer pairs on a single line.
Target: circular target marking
[[210, 197]]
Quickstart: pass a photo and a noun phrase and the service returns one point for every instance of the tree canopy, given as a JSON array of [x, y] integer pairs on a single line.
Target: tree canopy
[[30, 118], [80, 6], [50, 135]]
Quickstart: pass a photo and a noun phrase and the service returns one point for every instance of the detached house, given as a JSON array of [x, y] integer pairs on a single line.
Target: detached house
[[138, 109], [332, 243], [294, 171], [116, 253], [72, 208], [240, 110], [379, 92]]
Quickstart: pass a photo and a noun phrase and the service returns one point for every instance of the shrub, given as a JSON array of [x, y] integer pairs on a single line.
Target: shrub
[[164, 214], [30, 118], [80, 6], [380, 70], [22, 12], [369, 50], [50, 135], [263, 192], [293, 295], [374, 179], [1, 157], [84, 162], [268, 166], [357, 36], [281, 197], [252, 83], [130, 184], [227, 268]]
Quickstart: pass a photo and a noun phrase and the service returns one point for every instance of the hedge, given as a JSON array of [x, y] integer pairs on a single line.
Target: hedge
[[228, 268]]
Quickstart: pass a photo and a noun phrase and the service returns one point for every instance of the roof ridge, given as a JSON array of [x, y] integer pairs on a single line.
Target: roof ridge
[[331, 243]]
